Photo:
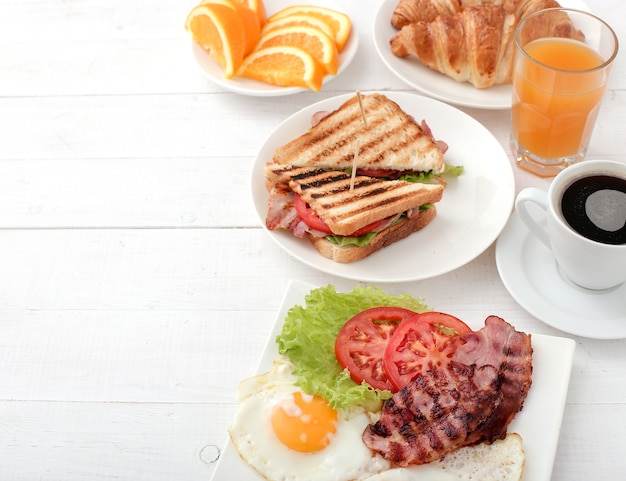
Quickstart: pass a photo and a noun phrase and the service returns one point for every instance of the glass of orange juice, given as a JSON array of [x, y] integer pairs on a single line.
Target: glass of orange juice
[[563, 59]]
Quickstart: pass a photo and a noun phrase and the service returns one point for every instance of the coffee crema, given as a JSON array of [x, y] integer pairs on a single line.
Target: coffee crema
[[595, 207]]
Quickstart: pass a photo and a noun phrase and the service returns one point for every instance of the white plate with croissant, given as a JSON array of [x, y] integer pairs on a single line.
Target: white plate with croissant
[[441, 84]]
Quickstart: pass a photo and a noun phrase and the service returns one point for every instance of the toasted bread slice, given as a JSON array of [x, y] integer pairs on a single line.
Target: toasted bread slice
[[279, 174], [390, 235], [345, 210], [502, 460], [391, 140]]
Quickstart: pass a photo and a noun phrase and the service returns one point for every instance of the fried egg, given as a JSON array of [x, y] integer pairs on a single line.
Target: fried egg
[[287, 435]]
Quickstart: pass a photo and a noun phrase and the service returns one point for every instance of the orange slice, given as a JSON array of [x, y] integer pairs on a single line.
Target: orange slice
[[284, 65], [249, 20], [339, 22], [219, 30], [311, 39], [258, 7], [297, 19]]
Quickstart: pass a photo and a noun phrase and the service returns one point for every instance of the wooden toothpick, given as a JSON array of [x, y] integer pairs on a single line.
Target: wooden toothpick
[[358, 95], [358, 146], [354, 163]]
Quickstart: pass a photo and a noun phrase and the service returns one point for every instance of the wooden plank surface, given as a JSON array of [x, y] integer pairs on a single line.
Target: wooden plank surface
[[138, 286]]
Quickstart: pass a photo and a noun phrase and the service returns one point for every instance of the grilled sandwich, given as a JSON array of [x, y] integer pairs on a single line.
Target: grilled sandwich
[[389, 141], [348, 215]]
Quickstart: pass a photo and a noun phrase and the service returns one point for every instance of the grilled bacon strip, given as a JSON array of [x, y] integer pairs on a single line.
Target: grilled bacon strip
[[471, 400], [499, 344], [434, 414]]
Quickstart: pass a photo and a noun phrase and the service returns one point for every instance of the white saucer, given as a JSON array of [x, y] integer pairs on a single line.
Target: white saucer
[[530, 274]]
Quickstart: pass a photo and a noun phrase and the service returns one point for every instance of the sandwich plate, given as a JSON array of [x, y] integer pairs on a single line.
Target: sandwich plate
[[474, 209], [254, 88], [538, 423], [435, 84]]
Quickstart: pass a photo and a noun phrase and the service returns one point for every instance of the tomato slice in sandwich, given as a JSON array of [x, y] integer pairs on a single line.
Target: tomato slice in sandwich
[[308, 215], [387, 173], [425, 340], [361, 344], [310, 218]]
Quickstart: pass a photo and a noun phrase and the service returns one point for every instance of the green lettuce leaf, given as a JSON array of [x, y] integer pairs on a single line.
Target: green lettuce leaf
[[308, 340], [344, 241], [362, 241], [427, 177], [453, 170]]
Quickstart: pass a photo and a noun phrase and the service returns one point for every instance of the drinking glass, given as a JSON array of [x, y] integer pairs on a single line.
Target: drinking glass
[[563, 59]]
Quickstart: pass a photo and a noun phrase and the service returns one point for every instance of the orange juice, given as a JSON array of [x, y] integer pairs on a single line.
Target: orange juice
[[557, 97]]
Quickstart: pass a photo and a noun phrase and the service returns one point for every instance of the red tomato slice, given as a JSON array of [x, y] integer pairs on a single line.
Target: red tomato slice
[[361, 344], [446, 320], [311, 219], [309, 216], [366, 229], [387, 173], [424, 340]]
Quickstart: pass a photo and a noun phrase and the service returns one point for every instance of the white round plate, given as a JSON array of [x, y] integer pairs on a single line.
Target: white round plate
[[530, 274], [435, 84], [245, 86], [474, 209]]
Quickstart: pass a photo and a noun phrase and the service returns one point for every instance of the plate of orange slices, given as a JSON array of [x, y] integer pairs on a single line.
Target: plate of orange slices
[[281, 48]]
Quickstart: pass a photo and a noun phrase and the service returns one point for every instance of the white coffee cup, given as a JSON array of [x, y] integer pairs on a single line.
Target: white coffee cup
[[588, 263]]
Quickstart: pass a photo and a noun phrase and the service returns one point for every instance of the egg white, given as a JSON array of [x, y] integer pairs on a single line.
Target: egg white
[[346, 458]]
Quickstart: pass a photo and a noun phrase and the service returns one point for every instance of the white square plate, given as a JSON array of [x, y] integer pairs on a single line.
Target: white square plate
[[538, 423]]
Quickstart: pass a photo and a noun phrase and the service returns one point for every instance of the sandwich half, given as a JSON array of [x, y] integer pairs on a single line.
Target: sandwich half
[[349, 216], [390, 142]]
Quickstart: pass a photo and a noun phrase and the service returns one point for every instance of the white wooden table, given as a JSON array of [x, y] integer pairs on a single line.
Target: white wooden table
[[137, 284]]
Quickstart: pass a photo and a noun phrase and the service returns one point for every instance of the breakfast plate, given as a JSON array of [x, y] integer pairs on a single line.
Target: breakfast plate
[[246, 86], [474, 209], [530, 274], [538, 423], [435, 84]]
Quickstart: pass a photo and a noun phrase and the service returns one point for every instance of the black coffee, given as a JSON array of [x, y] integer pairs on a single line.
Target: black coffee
[[595, 207]]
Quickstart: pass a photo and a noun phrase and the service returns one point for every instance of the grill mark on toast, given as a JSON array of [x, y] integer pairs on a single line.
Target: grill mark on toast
[[391, 140], [367, 195], [278, 173], [339, 188], [383, 121], [345, 211], [400, 128], [317, 180], [304, 175]]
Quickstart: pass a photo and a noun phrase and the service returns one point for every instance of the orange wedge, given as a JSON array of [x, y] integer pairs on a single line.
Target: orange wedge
[[297, 19], [249, 20], [339, 22], [311, 39], [219, 30], [284, 65]]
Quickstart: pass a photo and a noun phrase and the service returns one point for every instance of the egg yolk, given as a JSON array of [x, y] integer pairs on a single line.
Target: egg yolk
[[304, 423]]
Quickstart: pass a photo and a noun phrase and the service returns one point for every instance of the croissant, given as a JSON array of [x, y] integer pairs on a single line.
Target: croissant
[[410, 11], [474, 45], [557, 24]]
